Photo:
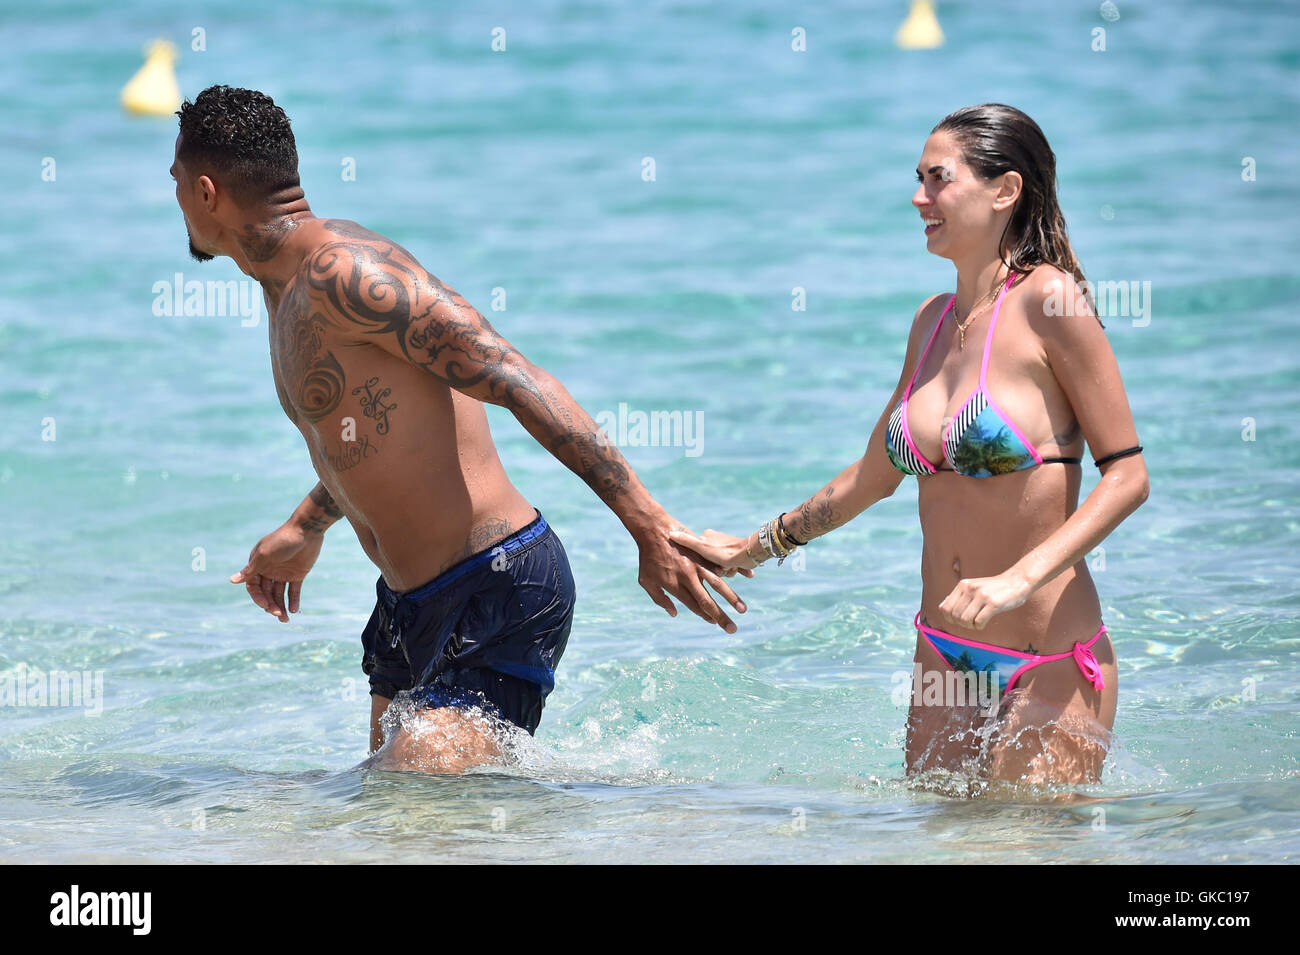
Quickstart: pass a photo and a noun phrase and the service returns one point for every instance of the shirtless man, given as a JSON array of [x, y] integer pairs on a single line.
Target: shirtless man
[[385, 370]]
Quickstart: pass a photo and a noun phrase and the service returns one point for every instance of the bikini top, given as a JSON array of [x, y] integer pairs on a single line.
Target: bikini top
[[980, 440]]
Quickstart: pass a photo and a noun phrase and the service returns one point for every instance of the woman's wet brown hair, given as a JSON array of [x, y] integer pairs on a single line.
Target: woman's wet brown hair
[[995, 138]]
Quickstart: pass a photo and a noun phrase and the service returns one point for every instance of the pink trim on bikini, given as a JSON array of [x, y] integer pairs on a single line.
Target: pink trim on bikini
[[907, 436], [984, 370], [907, 431], [1084, 658], [982, 389]]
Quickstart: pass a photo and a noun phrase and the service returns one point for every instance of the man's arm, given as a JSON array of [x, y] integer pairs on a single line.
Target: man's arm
[[375, 288], [285, 556], [317, 512]]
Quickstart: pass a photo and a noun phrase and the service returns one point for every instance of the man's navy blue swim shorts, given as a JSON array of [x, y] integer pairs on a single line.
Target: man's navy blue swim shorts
[[487, 632]]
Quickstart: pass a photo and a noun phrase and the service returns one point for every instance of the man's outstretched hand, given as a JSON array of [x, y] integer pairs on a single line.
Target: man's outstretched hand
[[666, 566], [283, 557]]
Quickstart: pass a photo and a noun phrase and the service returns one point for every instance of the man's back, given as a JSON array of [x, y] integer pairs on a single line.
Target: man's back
[[407, 458]]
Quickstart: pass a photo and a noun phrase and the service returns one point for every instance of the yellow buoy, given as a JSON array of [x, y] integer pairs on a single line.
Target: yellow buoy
[[153, 90], [920, 31]]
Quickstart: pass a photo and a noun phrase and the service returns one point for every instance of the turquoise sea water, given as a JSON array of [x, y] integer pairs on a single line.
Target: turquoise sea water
[[226, 736]]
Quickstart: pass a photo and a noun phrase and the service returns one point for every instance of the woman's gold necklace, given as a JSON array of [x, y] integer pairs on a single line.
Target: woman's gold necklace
[[970, 316]]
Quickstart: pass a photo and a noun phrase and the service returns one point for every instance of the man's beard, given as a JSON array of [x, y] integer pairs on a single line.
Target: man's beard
[[198, 254]]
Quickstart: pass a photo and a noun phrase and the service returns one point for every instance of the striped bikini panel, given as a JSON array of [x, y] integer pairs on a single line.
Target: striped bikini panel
[[980, 443], [900, 452], [961, 423]]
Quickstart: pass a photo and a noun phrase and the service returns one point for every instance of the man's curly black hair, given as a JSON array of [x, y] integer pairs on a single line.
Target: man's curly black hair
[[243, 137]]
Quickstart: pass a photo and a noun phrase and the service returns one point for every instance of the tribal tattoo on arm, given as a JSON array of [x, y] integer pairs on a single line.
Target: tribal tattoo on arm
[[374, 287]]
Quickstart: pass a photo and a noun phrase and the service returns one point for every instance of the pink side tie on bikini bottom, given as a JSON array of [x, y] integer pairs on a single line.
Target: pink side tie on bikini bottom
[[959, 653], [1088, 665]]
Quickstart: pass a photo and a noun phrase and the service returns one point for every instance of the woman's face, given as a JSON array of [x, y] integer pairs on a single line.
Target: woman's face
[[961, 212]]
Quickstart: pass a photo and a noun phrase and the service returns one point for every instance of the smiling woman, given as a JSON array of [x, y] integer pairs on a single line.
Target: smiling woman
[[1003, 558]]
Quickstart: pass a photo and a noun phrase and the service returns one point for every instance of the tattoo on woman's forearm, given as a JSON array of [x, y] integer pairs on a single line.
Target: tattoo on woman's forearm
[[825, 520], [817, 517]]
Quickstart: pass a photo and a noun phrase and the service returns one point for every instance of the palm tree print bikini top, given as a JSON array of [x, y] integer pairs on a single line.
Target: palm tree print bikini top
[[980, 441]]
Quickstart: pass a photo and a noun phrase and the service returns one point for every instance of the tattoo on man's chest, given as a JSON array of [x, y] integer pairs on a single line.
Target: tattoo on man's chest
[[374, 403], [314, 379], [352, 453]]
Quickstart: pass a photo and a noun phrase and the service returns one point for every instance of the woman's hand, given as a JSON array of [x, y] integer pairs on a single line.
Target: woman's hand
[[667, 566], [974, 601], [722, 549]]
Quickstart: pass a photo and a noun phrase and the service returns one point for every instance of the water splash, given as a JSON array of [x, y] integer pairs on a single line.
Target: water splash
[[1028, 748], [450, 739]]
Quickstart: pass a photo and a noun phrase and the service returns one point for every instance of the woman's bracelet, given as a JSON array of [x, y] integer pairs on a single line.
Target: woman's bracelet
[[1098, 462], [775, 540], [765, 539], [780, 523]]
